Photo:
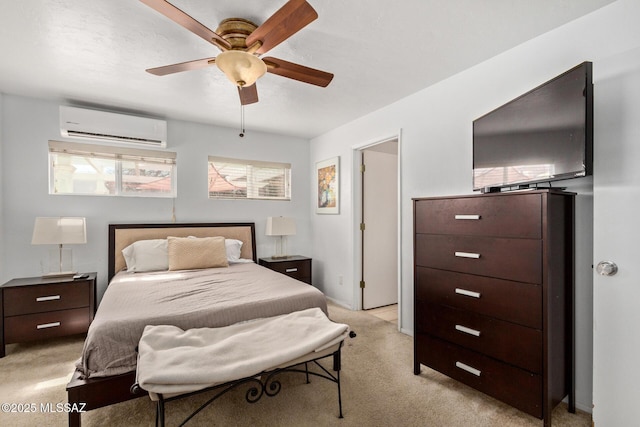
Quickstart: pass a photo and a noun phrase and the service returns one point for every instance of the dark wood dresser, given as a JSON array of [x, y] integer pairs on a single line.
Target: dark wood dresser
[[35, 308], [493, 294], [296, 266]]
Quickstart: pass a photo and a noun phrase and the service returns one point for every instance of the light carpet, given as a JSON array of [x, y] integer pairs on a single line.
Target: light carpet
[[378, 389]]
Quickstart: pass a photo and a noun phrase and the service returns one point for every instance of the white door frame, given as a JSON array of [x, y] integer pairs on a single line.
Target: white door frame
[[356, 207]]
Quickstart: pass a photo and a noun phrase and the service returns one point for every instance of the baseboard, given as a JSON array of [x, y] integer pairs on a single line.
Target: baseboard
[[340, 303], [407, 331]]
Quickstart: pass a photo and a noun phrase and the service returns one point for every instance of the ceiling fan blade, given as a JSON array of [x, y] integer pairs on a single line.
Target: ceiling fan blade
[[285, 22], [248, 94], [178, 16], [297, 72], [183, 66]]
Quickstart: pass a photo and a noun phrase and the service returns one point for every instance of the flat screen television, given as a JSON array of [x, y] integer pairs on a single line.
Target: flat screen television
[[542, 136]]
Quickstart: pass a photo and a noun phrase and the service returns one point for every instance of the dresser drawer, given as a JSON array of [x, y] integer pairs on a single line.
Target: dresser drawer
[[514, 386], [43, 298], [513, 216], [515, 302], [510, 259], [508, 342], [38, 326]]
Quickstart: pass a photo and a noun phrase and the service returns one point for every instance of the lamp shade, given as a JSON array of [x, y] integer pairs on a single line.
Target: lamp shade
[[59, 231], [280, 226], [242, 68]]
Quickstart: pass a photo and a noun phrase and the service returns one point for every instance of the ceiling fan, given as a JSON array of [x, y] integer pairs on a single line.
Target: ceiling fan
[[242, 43]]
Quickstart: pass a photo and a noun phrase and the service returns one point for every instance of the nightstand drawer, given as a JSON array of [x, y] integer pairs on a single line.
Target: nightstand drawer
[[46, 325], [44, 298], [296, 269], [295, 266]]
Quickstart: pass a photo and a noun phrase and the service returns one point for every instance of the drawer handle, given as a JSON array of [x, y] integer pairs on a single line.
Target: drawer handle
[[48, 325], [467, 255], [469, 331], [291, 270], [468, 293], [49, 298], [467, 217], [468, 368]]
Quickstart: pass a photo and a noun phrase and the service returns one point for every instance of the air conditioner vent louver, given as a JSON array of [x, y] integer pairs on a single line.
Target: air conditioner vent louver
[[107, 126], [72, 134]]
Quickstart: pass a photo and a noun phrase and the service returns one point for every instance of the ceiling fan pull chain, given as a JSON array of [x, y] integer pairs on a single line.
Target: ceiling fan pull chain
[[241, 120]]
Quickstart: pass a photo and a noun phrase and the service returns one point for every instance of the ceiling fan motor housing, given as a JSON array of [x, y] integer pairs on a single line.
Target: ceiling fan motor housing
[[235, 31]]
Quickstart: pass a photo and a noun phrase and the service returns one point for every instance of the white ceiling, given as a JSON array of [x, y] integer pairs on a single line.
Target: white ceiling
[[94, 53]]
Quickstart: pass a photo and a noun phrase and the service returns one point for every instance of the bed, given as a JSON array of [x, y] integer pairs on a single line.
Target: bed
[[203, 297]]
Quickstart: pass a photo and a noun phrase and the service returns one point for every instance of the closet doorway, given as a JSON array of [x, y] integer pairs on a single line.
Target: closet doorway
[[379, 224]]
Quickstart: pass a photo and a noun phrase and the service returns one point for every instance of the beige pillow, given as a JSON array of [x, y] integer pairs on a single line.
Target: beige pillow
[[188, 253]]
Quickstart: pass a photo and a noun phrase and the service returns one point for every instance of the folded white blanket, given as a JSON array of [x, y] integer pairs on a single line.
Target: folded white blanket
[[174, 361]]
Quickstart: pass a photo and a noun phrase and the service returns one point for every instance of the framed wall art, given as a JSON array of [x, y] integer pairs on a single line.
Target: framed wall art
[[328, 181]]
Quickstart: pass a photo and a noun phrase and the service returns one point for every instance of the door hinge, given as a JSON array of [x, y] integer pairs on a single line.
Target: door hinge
[[362, 226], [362, 168], [362, 284]]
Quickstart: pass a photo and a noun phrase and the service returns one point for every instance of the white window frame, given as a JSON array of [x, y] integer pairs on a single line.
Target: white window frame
[[118, 155], [252, 184]]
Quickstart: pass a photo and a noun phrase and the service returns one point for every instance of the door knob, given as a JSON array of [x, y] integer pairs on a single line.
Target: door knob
[[607, 268]]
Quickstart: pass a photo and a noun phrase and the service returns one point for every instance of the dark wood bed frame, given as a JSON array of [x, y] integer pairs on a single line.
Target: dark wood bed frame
[[88, 394]]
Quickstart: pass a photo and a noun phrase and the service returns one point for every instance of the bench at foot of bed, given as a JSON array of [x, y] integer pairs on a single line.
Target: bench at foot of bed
[[174, 363], [265, 383]]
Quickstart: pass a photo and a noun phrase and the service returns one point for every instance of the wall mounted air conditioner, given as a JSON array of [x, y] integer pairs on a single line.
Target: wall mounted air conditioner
[[105, 126]]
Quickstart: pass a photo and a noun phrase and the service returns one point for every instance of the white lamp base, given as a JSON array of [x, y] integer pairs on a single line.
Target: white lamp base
[[281, 244], [60, 263]]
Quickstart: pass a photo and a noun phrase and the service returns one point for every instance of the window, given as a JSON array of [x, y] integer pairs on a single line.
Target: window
[[248, 179], [88, 169]]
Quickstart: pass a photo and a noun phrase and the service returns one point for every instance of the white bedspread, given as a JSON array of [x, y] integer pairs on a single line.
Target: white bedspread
[[174, 361]]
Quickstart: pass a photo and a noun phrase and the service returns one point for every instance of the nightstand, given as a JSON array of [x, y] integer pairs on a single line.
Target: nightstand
[[296, 266], [35, 308]]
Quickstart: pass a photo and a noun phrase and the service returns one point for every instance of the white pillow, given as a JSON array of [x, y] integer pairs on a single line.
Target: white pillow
[[129, 258], [146, 255], [233, 247]]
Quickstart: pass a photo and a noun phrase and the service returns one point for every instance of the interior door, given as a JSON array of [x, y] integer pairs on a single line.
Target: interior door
[[616, 297], [380, 216]]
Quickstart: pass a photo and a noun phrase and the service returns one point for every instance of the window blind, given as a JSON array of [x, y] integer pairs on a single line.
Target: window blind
[[90, 169], [248, 179]]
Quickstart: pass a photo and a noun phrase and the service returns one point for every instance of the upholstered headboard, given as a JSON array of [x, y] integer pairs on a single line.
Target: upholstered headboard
[[122, 235]]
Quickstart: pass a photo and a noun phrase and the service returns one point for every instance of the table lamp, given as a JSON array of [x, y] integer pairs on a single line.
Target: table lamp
[[59, 231]]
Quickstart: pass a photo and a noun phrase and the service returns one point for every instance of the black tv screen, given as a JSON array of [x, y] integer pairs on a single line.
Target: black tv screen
[[542, 136]]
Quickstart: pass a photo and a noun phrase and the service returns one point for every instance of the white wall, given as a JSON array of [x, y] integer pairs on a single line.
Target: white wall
[[435, 124], [28, 125]]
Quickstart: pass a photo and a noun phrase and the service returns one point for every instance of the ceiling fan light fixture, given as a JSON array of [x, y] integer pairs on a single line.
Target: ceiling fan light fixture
[[242, 68]]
